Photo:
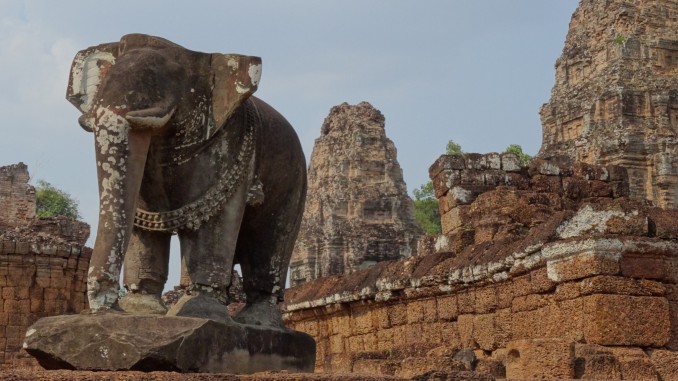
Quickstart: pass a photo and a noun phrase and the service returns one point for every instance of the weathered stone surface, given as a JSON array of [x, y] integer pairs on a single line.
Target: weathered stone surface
[[635, 364], [595, 362], [357, 211], [641, 321], [115, 341], [614, 100], [17, 197], [540, 359], [666, 364], [68, 375]]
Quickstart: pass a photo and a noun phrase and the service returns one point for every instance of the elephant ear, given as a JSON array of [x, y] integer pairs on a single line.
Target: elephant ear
[[87, 72], [236, 78]]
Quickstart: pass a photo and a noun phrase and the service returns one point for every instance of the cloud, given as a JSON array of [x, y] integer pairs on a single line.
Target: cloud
[[32, 65]]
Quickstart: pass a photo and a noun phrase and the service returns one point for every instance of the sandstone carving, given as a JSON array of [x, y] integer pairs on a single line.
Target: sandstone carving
[[357, 212], [183, 148], [615, 100]]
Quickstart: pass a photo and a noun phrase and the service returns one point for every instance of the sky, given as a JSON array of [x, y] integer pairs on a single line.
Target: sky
[[475, 72]]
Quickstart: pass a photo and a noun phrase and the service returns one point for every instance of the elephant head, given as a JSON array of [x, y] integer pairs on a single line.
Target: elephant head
[[131, 92]]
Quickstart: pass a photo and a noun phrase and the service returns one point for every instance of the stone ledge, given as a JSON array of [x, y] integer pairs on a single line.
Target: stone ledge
[[387, 280]]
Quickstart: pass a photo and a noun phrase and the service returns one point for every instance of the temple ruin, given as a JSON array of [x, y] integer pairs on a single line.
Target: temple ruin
[[43, 265], [564, 269], [357, 211], [615, 100], [547, 272]]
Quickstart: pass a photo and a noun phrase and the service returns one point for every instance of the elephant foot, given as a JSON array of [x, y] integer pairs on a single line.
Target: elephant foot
[[114, 309], [262, 313], [142, 304], [201, 305]]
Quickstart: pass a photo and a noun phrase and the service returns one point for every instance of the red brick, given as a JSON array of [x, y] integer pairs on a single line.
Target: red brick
[[447, 307], [634, 364], [466, 301], [397, 314], [595, 362], [415, 312], [627, 320], [540, 359], [666, 364], [636, 265]]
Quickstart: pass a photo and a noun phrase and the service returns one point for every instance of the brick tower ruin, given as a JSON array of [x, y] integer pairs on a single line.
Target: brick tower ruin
[[615, 100], [43, 265], [357, 212]]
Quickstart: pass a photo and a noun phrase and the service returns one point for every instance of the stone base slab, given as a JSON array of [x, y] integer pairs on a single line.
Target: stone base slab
[[114, 341], [66, 375]]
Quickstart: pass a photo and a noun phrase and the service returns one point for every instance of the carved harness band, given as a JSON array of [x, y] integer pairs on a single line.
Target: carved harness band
[[192, 215]]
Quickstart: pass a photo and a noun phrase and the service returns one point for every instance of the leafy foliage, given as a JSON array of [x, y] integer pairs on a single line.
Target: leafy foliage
[[518, 151], [426, 211], [53, 202], [453, 148]]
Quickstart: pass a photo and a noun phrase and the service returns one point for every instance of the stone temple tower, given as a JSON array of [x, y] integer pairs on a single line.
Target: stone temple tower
[[615, 100], [357, 209]]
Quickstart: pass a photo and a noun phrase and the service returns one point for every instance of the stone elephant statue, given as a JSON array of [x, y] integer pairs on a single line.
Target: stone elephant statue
[[183, 148]]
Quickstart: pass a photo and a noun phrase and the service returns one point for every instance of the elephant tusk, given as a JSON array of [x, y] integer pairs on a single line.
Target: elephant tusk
[[149, 118], [85, 122]]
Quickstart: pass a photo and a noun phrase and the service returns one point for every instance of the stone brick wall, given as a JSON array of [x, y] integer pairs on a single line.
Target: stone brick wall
[[526, 196], [590, 301], [37, 280], [17, 197], [552, 273]]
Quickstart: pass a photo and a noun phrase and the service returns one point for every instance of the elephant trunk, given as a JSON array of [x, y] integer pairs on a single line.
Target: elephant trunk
[[121, 157]]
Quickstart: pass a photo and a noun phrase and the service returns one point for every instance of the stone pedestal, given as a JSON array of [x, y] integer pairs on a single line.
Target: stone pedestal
[[114, 341]]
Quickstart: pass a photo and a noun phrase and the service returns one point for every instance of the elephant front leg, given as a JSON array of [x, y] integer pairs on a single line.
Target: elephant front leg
[[145, 272], [207, 257]]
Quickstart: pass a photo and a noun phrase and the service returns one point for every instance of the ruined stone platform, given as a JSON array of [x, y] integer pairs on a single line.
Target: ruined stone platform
[[116, 341]]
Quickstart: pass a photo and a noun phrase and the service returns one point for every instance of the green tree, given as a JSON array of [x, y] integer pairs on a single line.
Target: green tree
[[53, 202], [426, 211], [518, 151], [453, 148]]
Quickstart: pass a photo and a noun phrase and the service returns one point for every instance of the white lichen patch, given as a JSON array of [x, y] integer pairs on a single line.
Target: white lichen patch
[[112, 139], [254, 71], [232, 63], [442, 243], [461, 195], [99, 296], [562, 249], [103, 351], [588, 220]]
